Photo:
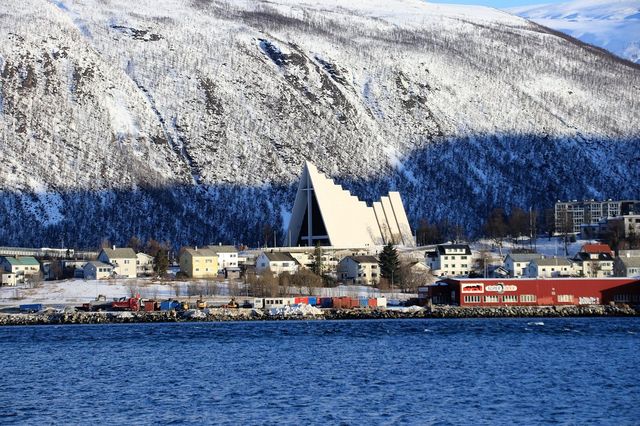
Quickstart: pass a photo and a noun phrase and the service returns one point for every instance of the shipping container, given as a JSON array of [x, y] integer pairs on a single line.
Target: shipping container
[[300, 300], [326, 302], [150, 306], [32, 307], [363, 302], [373, 302], [312, 300], [382, 302], [169, 305]]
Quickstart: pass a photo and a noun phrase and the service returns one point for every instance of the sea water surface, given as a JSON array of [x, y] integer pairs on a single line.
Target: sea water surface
[[480, 371]]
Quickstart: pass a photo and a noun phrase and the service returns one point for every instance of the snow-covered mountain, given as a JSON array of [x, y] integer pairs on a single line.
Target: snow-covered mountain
[[611, 24], [190, 121]]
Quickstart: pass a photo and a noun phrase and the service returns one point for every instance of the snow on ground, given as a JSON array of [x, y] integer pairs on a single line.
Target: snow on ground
[[546, 246]]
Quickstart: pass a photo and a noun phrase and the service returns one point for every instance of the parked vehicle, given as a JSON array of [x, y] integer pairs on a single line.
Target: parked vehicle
[[126, 304], [32, 307]]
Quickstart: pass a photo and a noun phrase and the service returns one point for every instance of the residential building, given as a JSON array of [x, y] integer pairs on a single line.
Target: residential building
[[363, 270], [123, 260], [552, 267], [626, 266], [450, 260], [276, 262], [325, 213], [199, 263], [227, 256], [7, 278], [96, 270], [576, 213], [594, 260], [516, 263], [627, 225], [144, 264], [24, 267]]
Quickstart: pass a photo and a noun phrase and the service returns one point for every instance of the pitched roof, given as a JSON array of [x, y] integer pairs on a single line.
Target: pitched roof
[[279, 256], [120, 253], [364, 259], [99, 264], [630, 262], [22, 260], [587, 256], [525, 257], [595, 248], [552, 261], [201, 252], [223, 249]]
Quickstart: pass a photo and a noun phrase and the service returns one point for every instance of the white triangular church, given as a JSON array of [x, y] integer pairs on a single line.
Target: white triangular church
[[324, 213]]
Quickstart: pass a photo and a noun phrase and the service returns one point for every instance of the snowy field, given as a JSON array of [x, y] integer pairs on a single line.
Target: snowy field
[[546, 246], [77, 291]]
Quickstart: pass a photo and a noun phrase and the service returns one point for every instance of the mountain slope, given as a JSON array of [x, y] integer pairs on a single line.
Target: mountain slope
[[611, 24], [191, 121]]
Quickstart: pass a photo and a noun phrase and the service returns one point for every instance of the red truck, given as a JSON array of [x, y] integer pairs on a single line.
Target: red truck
[[126, 304]]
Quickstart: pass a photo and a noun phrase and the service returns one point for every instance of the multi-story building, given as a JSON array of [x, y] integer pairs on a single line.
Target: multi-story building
[[227, 256], [123, 260], [276, 262], [199, 263], [359, 270], [594, 260], [450, 260], [574, 214], [553, 267], [23, 267]]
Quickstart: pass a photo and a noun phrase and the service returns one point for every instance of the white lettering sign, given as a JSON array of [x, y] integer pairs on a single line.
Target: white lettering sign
[[501, 288], [589, 300]]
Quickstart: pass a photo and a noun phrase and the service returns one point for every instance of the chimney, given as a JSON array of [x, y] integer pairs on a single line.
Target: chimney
[[113, 247], [196, 248]]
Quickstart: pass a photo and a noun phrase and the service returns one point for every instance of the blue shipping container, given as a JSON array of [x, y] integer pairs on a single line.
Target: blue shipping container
[[326, 302], [168, 305], [363, 302], [313, 301], [33, 307], [393, 302]]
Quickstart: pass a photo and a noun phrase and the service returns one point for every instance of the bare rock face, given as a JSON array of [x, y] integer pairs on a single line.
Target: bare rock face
[[190, 122]]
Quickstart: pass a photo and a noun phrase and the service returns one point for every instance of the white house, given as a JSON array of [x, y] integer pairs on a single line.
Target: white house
[[144, 264], [227, 256], [7, 278], [276, 262], [516, 263], [96, 270], [123, 260], [549, 268], [594, 260], [23, 267], [359, 270], [450, 260]]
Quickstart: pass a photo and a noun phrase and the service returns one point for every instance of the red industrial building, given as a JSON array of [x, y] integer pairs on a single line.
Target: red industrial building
[[531, 291]]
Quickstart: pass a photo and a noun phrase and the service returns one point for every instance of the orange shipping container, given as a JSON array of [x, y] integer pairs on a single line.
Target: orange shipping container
[[373, 303]]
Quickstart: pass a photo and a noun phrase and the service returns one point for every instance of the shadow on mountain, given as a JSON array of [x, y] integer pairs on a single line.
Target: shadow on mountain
[[458, 179]]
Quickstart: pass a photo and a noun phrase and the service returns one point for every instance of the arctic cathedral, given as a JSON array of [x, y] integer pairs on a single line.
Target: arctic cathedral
[[326, 214]]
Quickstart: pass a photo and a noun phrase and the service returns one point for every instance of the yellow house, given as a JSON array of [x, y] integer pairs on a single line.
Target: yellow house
[[199, 263]]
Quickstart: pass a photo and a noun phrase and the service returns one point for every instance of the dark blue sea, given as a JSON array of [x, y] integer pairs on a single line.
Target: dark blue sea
[[448, 372]]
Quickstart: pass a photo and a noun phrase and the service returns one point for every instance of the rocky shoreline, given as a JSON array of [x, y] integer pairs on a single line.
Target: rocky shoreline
[[221, 315]]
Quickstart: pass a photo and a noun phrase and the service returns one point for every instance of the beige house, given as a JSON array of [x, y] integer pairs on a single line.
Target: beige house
[[594, 261], [359, 270], [96, 270], [276, 262], [199, 263], [144, 264], [123, 261]]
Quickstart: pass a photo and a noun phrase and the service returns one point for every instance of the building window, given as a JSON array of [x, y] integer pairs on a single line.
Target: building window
[[565, 298], [491, 299], [621, 298], [528, 298], [472, 299], [510, 298]]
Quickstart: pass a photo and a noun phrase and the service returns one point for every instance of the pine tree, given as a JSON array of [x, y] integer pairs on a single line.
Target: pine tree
[[389, 263], [161, 262], [316, 266]]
